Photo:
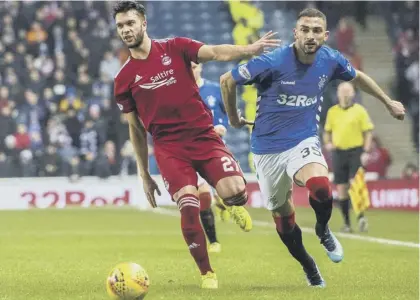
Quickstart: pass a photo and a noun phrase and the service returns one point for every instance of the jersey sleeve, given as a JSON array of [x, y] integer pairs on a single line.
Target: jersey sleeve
[[343, 70], [189, 48], [249, 72], [366, 123], [125, 101]]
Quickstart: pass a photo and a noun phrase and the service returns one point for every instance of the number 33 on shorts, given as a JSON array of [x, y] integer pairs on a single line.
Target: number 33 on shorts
[[310, 150]]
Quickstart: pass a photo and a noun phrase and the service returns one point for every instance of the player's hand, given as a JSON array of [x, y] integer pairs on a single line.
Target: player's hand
[[220, 130], [150, 186], [396, 109], [329, 147], [264, 43], [238, 121], [364, 158]]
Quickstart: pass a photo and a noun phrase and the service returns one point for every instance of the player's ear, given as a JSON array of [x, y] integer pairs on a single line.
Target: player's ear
[[326, 35], [295, 33]]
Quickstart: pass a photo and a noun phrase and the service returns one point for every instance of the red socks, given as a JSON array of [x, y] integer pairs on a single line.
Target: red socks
[[285, 224], [192, 231], [319, 188]]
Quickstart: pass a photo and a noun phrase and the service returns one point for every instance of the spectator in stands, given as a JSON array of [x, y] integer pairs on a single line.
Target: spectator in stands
[[73, 169], [378, 159], [344, 35], [7, 169], [89, 143], [32, 113], [128, 160], [73, 126], [14, 85], [109, 65], [410, 171], [7, 125], [59, 84], [71, 101], [51, 164], [107, 163], [36, 35], [28, 167], [22, 138], [4, 97]]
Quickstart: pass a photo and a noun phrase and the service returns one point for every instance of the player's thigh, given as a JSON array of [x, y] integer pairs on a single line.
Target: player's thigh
[[223, 173], [341, 167], [306, 161], [354, 161], [274, 182], [179, 176]]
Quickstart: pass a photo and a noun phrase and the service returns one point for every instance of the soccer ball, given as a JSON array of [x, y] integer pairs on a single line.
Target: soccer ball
[[128, 281]]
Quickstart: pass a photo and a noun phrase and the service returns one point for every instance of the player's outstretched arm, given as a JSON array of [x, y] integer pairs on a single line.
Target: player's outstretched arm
[[228, 87], [236, 52], [368, 85], [138, 137]]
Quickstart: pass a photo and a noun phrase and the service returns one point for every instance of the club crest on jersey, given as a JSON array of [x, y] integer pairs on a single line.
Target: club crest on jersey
[[244, 72], [322, 81], [138, 78], [166, 60]]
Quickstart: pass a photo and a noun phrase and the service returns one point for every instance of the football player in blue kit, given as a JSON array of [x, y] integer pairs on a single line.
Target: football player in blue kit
[[290, 81], [212, 97]]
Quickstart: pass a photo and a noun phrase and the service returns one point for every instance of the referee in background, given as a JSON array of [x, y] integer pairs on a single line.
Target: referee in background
[[348, 134]]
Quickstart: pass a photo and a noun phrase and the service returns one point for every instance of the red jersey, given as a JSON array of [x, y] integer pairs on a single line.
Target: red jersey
[[163, 91]]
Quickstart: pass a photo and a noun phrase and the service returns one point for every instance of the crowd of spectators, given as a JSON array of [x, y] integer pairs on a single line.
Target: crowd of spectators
[[57, 115]]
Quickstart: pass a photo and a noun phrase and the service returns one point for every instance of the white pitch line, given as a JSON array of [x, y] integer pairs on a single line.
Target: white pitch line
[[351, 236]]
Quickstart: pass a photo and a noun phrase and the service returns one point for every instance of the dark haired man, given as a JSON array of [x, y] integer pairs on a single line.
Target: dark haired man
[[290, 82], [157, 91]]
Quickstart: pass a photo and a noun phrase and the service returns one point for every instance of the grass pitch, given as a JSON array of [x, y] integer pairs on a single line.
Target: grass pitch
[[67, 254]]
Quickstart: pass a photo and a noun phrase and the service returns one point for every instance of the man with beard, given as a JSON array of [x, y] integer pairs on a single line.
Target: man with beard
[[290, 83], [156, 90]]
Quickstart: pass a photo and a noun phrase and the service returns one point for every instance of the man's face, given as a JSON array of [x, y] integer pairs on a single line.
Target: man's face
[[310, 34], [196, 68], [345, 93], [131, 27]]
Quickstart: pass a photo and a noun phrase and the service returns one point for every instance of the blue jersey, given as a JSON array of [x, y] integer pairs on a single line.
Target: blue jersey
[[289, 95], [212, 96]]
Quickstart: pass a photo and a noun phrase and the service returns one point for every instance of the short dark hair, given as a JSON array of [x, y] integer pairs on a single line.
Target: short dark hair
[[125, 6], [312, 13]]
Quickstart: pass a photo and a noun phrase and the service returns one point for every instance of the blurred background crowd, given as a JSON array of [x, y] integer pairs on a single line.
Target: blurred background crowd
[[58, 60]]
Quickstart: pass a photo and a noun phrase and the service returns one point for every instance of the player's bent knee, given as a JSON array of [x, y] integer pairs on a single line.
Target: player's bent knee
[[204, 188], [319, 188], [189, 189], [285, 209], [237, 200], [230, 186]]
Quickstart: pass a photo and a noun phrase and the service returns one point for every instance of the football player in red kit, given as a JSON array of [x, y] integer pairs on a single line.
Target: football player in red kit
[[157, 91]]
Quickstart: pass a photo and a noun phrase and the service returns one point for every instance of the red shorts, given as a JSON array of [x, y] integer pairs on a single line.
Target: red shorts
[[206, 154]]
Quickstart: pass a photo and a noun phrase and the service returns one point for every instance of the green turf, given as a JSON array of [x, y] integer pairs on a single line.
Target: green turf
[[66, 254]]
